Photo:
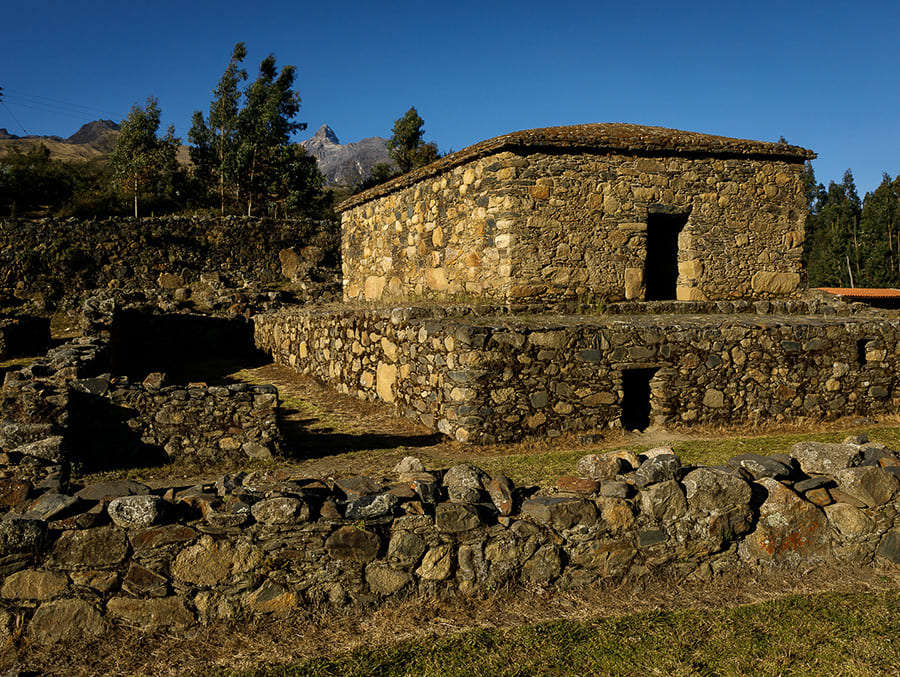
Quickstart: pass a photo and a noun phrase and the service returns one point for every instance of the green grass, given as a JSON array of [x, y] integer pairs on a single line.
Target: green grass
[[830, 633]]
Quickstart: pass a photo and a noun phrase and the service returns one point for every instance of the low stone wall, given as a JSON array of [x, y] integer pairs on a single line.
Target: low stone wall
[[147, 422], [498, 378], [78, 560]]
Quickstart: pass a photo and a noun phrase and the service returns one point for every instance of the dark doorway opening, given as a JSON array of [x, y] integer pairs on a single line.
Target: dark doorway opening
[[861, 352], [636, 398], [661, 268]]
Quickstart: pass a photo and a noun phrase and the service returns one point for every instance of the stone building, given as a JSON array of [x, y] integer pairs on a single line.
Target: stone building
[[598, 212]]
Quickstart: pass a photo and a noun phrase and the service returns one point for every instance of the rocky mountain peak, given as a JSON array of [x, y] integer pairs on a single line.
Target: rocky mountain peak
[[326, 133]]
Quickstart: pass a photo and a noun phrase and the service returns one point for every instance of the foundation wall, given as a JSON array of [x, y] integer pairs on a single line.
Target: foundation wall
[[484, 380]]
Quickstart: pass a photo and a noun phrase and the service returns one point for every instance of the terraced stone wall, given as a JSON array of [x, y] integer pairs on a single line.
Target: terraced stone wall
[[76, 562], [487, 379], [544, 226]]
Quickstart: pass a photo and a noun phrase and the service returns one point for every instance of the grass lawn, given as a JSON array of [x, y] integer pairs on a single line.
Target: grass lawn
[[828, 633]]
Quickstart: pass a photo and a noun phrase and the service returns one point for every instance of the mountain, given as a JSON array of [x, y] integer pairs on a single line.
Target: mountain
[[93, 140], [346, 164]]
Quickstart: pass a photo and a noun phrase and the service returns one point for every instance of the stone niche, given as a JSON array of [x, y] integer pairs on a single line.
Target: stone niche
[[591, 213]]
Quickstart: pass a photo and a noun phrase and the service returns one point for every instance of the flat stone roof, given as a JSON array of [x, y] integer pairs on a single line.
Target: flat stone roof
[[598, 138]]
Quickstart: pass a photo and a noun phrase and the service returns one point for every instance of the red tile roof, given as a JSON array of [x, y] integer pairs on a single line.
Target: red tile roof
[[862, 292]]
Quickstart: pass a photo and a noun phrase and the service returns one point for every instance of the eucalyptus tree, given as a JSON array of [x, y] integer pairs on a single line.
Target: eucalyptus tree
[[214, 143], [141, 161], [406, 147]]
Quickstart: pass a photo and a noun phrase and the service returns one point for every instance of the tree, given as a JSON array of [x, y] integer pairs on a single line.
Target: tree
[[832, 249], [880, 233], [141, 161], [265, 125], [214, 145], [406, 147]]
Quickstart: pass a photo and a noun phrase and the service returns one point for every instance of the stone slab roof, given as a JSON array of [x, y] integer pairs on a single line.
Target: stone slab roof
[[599, 138]]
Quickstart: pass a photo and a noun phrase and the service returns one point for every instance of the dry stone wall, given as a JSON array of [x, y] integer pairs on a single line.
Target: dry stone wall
[[542, 223], [495, 378], [77, 560]]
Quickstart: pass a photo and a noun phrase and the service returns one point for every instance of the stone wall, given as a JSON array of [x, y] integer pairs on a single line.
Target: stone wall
[[52, 261], [501, 378], [533, 223], [76, 561]]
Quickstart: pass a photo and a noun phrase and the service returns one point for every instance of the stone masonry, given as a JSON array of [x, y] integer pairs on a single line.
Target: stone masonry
[[493, 377], [589, 212]]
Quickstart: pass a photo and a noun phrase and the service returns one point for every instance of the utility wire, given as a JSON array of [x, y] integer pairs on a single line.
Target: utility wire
[[3, 103]]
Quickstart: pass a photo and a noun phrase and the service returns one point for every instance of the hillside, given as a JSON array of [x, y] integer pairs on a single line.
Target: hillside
[[93, 140]]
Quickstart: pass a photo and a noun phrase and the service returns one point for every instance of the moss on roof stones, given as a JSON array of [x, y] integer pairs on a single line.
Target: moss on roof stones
[[602, 137]]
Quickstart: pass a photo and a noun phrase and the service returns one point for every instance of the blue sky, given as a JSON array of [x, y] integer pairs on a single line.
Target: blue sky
[[823, 75]]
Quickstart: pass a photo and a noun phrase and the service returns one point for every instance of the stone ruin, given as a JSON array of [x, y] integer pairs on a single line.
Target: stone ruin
[[729, 340], [589, 277]]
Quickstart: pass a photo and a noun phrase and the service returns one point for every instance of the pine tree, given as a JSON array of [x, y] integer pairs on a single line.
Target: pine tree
[[406, 147], [214, 149], [880, 234], [833, 250]]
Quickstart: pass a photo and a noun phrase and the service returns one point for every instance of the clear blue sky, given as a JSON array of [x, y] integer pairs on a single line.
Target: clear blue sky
[[823, 75]]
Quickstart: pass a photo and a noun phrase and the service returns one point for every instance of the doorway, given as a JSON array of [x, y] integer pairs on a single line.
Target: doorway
[[661, 267], [636, 398]]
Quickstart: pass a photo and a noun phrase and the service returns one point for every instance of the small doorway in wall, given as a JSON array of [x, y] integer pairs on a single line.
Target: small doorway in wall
[[636, 397], [661, 267]]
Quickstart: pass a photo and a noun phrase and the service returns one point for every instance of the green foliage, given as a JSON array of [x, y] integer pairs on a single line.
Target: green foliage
[[406, 146], [833, 250], [244, 152], [880, 231], [142, 162]]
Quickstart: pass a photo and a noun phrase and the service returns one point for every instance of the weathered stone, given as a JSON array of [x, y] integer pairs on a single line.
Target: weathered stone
[[405, 547], [143, 582], [280, 510], [543, 566], [354, 544], [409, 464], [650, 537], [709, 490], [466, 484], [456, 517], [386, 580], [616, 489], [577, 485], [166, 535], [500, 489], [600, 466], [137, 511], [789, 529], [101, 581], [104, 491], [559, 512], [271, 598], [357, 487], [889, 547], [664, 501], [49, 449], [825, 458], [777, 284], [760, 466], [616, 513], [851, 522], [65, 620], [378, 505], [51, 506], [13, 492], [34, 584], [657, 469], [90, 548], [207, 562], [437, 565], [869, 484], [151, 614]]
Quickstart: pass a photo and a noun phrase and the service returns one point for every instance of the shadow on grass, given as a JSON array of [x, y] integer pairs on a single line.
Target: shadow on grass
[[303, 440]]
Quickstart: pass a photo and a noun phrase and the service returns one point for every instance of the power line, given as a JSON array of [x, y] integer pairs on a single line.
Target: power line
[[26, 99]]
